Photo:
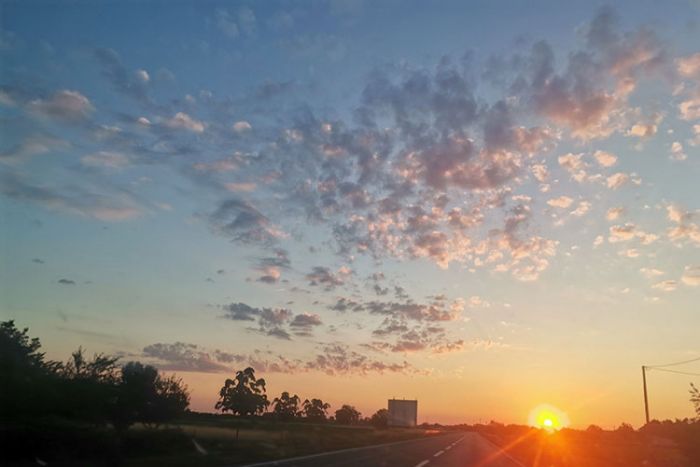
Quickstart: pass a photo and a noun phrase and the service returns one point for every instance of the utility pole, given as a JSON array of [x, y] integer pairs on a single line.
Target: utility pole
[[646, 399]]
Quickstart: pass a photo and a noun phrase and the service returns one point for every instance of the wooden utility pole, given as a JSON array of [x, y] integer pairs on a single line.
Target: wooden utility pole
[[646, 399]]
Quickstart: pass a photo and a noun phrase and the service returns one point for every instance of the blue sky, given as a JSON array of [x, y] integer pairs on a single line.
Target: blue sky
[[341, 192]]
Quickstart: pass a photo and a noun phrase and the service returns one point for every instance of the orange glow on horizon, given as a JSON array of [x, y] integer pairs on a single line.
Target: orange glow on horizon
[[548, 417]]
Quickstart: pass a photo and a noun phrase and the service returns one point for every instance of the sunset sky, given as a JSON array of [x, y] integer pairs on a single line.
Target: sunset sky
[[486, 206]]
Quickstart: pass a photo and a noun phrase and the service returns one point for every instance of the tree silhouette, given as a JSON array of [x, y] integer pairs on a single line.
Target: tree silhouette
[[27, 381], [695, 399], [94, 390], [380, 419], [315, 410], [101, 368], [144, 396], [244, 395], [347, 415], [87, 388], [286, 407]]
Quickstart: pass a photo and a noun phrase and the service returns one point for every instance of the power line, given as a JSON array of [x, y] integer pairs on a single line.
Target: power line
[[674, 364], [662, 368], [673, 371]]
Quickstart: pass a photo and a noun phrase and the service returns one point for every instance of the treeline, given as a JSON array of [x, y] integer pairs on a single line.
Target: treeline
[[94, 390], [245, 395]]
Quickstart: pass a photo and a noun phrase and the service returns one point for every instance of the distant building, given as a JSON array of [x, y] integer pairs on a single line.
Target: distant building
[[403, 412]]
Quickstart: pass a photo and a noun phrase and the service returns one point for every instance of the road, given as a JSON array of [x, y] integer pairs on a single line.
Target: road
[[451, 450]]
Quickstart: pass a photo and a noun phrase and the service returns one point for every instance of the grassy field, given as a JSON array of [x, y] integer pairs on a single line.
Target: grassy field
[[196, 440], [227, 440], [573, 448]]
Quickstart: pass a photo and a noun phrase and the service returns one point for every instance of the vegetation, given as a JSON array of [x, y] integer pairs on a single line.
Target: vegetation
[[695, 400], [244, 395], [657, 444], [347, 415], [94, 411], [315, 410], [48, 407], [286, 407], [380, 419]]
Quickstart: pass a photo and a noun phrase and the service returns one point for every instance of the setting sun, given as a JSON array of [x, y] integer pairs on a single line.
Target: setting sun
[[548, 417]]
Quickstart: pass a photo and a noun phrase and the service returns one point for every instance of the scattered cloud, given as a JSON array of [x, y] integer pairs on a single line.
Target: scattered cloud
[[183, 121], [65, 106], [691, 276], [605, 159]]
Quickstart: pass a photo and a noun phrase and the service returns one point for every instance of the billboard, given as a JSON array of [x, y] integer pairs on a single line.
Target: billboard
[[403, 412]]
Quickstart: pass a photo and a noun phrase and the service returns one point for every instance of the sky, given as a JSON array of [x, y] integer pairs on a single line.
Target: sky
[[485, 206]]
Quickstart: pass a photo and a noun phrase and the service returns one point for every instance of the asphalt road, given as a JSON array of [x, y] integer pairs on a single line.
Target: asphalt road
[[451, 450]]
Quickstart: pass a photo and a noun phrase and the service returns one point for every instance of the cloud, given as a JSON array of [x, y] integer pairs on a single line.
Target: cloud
[[270, 266], [66, 281], [689, 67], [614, 213], [65, 106], [605, 159], [690, 109], [242, 126], [629, 231], [617, 180], [303, 323], [241, 221], [684, 226], [540, 172], [240, 187], [651, 272], [324, 277], [133, 84], [647, 127], [241, 312], [331, 359], [691, 276], [31, 146], [108, 206], [339, 359], [666, 286], [574, 165], [106, 159], [183, 121], [582, 208], [142, 75], [271, 321], [436, 311], [181, 356], [677, 152], [233, 25], [560, 202]]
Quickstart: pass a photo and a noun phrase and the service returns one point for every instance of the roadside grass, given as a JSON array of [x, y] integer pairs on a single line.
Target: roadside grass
[[575, 448], [206, 440], [229, 441]]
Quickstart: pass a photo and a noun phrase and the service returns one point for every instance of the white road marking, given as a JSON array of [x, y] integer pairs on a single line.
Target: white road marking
[[438, 454], [422, 463], [448, 447]]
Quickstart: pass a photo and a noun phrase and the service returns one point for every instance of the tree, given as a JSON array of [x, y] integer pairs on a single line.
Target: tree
[[144, 396], [380, 419], [347, 415], [27, 381], [101, 368], [244, 395], [695, 399], [286, 407], [88, 388], [315, 410]]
